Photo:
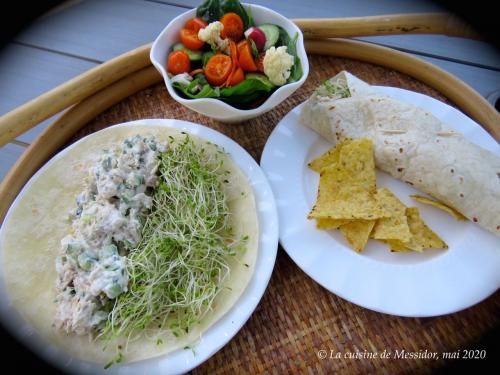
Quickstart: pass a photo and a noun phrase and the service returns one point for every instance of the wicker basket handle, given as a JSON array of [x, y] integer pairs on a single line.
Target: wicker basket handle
[[393, 24]]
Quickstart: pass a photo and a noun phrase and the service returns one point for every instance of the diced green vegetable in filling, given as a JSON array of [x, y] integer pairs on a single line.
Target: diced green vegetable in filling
[[87, 219], [85, 261], [108, 251], [73, 248], [113, 290]]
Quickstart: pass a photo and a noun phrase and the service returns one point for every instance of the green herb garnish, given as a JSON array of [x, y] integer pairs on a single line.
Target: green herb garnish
[[177, 268], [337, 90]]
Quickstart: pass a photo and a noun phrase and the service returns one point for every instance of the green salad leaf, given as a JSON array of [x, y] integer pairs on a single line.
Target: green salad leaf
[[198, 88], [213, 10], [205, 57], [246, 91], [252, 83]]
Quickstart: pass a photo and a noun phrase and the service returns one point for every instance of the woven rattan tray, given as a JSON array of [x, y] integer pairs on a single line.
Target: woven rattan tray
[[296, 317]]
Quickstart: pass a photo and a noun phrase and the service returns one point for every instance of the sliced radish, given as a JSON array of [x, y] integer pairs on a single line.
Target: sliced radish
[[258, 36]]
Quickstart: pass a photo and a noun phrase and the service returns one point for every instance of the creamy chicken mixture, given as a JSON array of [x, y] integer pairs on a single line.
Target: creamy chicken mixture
[[92, 266]]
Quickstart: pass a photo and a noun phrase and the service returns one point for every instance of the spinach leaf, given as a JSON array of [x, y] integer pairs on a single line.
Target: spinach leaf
[[296, 71], [283, 38], [206, 56], [243, 99], [247, 90], [191, 91], [247, 86], [213, 10], [210, 10]]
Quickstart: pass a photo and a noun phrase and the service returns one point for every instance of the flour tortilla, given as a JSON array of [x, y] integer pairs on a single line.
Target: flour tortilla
[[33, 230], [413, 146]]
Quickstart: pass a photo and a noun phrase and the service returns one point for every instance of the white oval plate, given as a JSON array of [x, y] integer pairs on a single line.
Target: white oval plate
[[222, 331], [431, 283]]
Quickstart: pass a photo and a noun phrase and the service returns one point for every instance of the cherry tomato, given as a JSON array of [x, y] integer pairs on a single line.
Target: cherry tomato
[[190, 39], [245, 59], [178, 62], [218, 69], [233, 26], [196, 24]]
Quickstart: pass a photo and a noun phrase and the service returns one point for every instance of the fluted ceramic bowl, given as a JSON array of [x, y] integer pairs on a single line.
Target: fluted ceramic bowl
[[216, 108]]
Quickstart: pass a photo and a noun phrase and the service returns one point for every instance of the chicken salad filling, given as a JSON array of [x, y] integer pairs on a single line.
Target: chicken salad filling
[[92, 268]]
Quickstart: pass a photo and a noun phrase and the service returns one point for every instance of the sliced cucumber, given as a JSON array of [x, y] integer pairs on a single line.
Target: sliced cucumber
[[193, 55], [272, 34]]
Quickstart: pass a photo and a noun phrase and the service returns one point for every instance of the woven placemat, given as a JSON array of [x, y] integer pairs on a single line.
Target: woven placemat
[[297, 318]]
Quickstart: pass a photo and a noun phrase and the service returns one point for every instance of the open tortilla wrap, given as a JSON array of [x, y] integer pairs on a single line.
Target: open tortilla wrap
[[411, 145], [37, 222]]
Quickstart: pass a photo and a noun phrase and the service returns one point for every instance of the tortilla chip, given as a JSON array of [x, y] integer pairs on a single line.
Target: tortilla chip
[[328, 158], [358, 163], [347, 188], [422, 237], [330, 223], [457, 215], [357, 233], [396, 226], [343, 201], [396, 246]]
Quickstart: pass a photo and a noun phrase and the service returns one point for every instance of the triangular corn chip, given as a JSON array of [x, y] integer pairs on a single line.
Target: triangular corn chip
[[347, 188], [330, 223], [394, 227], [328, 158], [422, 237], [357, 233]]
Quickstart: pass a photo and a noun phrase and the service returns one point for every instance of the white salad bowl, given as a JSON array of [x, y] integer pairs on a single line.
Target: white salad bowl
[[216, 108]]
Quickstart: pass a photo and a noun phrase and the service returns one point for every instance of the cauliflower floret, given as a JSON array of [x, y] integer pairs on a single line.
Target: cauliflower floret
[[211, 35], [277, 65]]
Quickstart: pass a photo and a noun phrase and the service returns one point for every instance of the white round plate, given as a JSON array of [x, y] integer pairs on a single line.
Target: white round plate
[[221, 332], [430, 283]]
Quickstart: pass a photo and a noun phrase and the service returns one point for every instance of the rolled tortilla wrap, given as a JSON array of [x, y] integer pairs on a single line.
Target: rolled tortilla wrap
[[411, 145]]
